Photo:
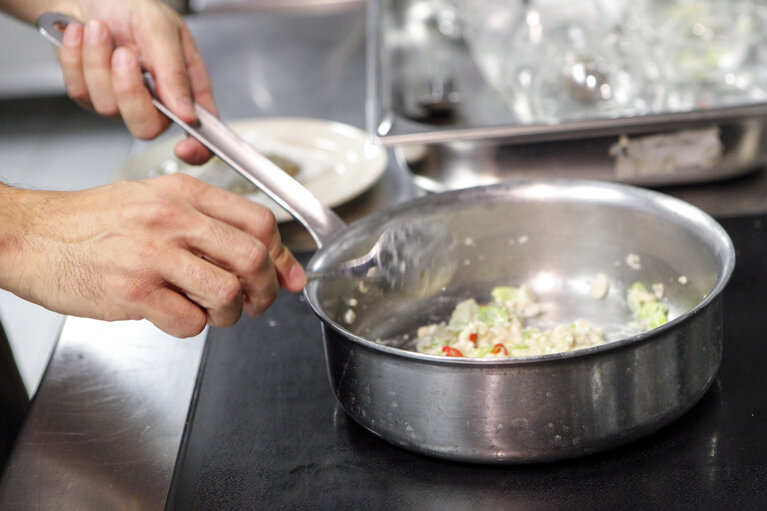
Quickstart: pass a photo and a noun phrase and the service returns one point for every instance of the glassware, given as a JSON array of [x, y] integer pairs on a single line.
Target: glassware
[[557, 60], [710, 51]]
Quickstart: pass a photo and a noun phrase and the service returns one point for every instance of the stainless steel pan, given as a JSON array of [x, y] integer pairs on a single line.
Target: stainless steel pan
[[555, 235]]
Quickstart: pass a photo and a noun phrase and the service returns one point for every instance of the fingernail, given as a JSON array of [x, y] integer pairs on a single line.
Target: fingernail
[[72, 36], [123, 59], [187, 106], [95, 32]]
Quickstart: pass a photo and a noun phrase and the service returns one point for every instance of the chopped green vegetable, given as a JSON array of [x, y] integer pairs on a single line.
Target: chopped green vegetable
[[482, 352], [503, 294], [493, 314], [465, 312], [529, 332], [637, 295], [654, 314], [519, 347]]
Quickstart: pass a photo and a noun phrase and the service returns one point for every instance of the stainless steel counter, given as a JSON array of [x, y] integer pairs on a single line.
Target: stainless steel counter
[[105, 426]]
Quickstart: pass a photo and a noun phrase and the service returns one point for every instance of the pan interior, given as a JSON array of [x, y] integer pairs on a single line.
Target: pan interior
[[555, 237]]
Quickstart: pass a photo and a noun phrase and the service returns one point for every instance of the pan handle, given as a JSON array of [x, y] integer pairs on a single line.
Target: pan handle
[[321, 222]]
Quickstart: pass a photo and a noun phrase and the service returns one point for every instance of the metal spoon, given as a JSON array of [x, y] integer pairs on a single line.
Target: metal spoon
[[399, 259], [410, 257]]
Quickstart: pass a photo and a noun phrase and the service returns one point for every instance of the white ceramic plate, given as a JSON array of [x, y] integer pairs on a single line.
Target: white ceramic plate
[[335, 161]]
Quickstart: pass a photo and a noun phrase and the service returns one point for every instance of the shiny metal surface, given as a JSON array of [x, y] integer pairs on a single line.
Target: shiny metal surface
[[536, 408], [304, 6], [107, 421], [454, 165], [424, 88], [409, 59]]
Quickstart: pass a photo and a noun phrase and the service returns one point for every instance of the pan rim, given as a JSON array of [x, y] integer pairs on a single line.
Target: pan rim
[[682, 208]]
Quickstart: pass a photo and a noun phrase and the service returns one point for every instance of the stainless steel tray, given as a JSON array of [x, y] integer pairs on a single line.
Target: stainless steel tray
[[447, 166], [424, 89]]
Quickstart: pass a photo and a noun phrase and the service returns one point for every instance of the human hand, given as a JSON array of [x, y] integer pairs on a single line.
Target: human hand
[[173, 250], [102, 64]]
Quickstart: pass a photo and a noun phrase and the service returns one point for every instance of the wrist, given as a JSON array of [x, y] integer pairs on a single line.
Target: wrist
[[15, 223]]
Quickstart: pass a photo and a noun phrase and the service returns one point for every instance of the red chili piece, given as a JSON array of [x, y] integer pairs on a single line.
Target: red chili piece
[[451, 352], [498, 348], [473, 338]]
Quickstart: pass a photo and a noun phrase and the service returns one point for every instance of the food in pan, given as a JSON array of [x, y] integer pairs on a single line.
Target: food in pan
[[646, 306], [600, 286], [497, 329]]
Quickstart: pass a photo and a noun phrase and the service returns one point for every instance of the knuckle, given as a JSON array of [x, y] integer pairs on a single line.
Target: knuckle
[[261, 304], [269, 224], [269, 232], [283, 257], [137, 289], [157, 211], [255, 258], [189, 323], [200, 273], [266, 296], [229, 290], [181, 182]]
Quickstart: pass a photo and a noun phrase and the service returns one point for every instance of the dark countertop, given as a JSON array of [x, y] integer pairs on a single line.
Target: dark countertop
[[266, 431]]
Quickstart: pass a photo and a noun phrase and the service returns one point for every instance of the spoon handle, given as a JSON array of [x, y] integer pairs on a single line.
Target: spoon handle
[[321, 222]]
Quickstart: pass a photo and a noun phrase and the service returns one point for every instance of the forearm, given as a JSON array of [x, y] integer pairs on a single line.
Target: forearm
[[30, 10]]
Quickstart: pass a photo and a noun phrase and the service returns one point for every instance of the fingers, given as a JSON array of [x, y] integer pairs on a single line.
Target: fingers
[[97, 67], [164, 58], [70, 57], [260, 223], [217, 291], [198, 72], [189, 149], [182, 78], [173, 313], [192, 151], [290, 273], [232, 246], [133, 98], [201, 292], [243, 257], [85, 57], [109, 80]]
